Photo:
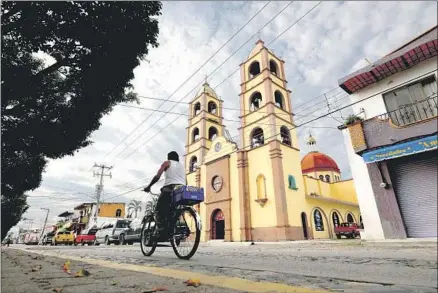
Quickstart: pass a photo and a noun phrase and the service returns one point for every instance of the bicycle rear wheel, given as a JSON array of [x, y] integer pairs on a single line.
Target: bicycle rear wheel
[[147, 242], [187, 234]]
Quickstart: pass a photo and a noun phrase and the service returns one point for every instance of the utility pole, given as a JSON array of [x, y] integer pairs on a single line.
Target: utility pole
[[99, 187], [44, 226]]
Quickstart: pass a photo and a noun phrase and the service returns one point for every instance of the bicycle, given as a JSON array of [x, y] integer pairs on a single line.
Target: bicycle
[[183, 198]]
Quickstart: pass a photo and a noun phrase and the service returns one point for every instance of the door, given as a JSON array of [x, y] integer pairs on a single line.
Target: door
[[304, 224], [218, 225], [414, 178]]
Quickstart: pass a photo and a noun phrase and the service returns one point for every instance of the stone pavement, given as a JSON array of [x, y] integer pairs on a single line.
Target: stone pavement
[[24, 272]]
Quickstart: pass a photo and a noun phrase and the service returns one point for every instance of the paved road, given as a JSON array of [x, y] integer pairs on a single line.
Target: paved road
[[341, 266]]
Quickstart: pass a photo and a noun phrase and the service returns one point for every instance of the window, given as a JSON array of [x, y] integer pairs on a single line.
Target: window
[[261, 187], [327, 178], [255, 101], [193, 164], [123, 224], [257, 138], [273, 67], [350, 218], [278, 99], [118, 213], [195, 134], [414, 102], [285, 135], [197, 109], [321, 177], [216, 183], [335, 218], [254, 69], [212, 108], [212, 133], [319, 223], [291, 182]]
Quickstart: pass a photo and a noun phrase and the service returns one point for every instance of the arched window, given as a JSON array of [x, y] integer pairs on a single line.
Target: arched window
[[273, 67], [212, 108], [335, 218], [197, 109], [255, 101], [257, 137], [319, 222], [254, 69], [350, 218], [278, 99], [195, 134], [261, 187], [118, 213], [327, 178], [292, 183], [321, 177], [285, 135], [212, 133], [193, 164]]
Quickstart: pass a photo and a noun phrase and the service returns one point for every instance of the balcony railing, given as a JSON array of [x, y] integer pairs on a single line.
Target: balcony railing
[[412, 113]]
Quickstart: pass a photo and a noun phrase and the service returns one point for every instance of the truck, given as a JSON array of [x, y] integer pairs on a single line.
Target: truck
[[87, 236], [349, 230]]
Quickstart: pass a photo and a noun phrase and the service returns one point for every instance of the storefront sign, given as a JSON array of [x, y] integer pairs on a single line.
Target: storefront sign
[[403, 149]]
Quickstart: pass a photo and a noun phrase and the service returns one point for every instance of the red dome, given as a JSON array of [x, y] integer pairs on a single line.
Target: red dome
[[316, 161]]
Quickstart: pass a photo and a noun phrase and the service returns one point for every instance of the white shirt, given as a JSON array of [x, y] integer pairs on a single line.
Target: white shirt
[[175, 174]]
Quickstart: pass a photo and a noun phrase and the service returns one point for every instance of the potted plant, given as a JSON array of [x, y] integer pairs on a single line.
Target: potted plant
[[357, 136]]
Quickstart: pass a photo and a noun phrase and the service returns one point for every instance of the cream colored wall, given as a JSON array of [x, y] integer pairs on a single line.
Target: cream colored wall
[[259, 162], [252, 82], [235, 202], [203, 211]]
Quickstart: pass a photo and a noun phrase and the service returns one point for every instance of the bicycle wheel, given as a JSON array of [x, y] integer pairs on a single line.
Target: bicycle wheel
[[186, 235], [147, 243]]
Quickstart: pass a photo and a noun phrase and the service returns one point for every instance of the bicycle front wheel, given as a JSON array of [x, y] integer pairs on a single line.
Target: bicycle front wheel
[[187, 234], [147, 242]]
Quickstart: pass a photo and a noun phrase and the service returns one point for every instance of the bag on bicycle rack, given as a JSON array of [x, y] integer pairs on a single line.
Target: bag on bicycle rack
[[187, 195]]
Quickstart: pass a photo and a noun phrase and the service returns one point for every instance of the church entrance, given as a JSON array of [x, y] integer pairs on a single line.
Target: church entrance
[[217, 225], [304, 224]]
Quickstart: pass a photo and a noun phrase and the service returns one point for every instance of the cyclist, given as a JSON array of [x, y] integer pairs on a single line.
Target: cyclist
[[174, 174]]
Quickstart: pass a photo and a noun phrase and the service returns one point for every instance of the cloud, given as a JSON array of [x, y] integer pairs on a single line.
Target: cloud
[[326, 45]]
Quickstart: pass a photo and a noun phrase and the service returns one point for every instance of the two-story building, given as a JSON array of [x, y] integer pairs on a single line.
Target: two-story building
[[392, 143], [106, 210]]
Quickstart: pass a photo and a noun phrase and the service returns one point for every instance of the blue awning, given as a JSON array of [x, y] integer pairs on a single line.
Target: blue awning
[[404, 149]]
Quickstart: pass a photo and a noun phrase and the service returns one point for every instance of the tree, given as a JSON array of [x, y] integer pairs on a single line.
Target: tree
[[135, 206], [150, 205], [50, 110], [12, 211]]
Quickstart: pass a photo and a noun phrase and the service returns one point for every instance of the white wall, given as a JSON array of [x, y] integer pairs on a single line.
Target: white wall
[[375, 106], [364, 191]]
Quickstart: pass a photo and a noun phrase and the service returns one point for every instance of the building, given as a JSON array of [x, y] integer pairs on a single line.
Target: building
[[258, 191], [106, 210], [392, 142]]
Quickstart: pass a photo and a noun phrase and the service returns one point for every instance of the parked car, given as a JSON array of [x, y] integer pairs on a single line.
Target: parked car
[[110, 232], [63, 237], [132, 234], [87, 236], [349, 230], [47, 238]]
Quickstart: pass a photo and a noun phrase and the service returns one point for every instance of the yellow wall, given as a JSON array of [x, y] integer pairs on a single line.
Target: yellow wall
[[235, 203], [109, 209]]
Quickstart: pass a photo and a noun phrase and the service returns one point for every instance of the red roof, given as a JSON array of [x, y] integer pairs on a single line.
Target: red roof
[[316, 161], [423, 47]]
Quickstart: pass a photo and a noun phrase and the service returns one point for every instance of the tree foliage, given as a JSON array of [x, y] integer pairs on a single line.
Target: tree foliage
[[50, 109]]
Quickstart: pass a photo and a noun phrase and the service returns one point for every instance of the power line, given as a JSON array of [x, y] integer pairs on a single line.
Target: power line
[[324, 115], [196, 71]]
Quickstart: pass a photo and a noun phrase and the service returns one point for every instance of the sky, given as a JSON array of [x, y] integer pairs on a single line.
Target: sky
[[329, 43]]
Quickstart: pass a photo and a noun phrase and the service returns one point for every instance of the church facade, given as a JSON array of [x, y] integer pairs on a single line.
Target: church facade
[[261, 190]]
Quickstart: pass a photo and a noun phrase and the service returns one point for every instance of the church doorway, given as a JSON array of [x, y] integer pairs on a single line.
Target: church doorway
[[217, 225], [304, 224]]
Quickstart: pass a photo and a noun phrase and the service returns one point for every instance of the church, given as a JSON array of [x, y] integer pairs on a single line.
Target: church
[[260, 190]]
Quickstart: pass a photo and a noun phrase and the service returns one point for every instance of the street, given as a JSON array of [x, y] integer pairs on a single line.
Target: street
[[336, 266]]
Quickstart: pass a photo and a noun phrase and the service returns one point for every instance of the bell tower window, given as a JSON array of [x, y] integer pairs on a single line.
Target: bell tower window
[[254, 69], [193, 164], [256, 101], [257, 138], [273, 67], [278, 99], [195, 134], [285, 135], [212, 133], [212, 108], [197, 109]]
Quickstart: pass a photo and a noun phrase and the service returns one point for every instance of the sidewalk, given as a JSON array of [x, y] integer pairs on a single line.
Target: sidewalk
[[24, 272]]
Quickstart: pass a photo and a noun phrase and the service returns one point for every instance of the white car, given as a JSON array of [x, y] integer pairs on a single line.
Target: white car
[[110, 232]]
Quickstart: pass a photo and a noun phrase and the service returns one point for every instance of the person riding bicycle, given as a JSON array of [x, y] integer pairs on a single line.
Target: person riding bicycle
[[174, 174]]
